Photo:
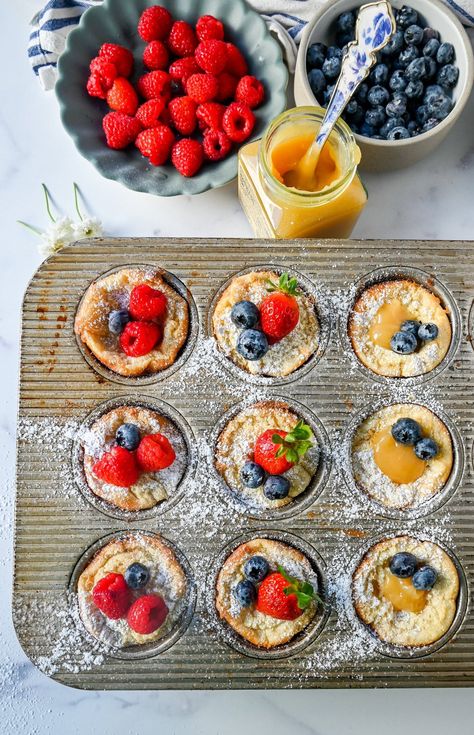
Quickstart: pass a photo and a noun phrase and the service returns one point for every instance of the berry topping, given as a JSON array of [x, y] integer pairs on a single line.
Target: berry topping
[[156, 143], [256, 568], [238, 122], [117, 321], [137, 575], [426, 448], [424, 578], [155, 56], [155, 452], [155, 23], [283, 597], [120, 130], [128, 436], [119, 56], [147, 614], [276, 487], [181, 69], [428, 332], [252, 344], [112, 596], [245, 314], [147, 303], [403, 343], [155, 85], [150, 112], [209, 115], [406, 431], [208, 27], [117, 467], [250, 91], [183, 114], [411, 325], [252, 475], [122, 97], [139, 338], [202, 87], [279, 311], [216, 145], [245, 593], [236, 63], [276, 450], [187, 156], [403, 564], [182, 40]]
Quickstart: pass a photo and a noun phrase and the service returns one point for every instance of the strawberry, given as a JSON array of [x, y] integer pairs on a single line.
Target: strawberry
[[181, 69], [238, 122], [155, 143], [209, 115], [119, 56], [226, 86], [150, 112], [147, 303], [155, 85], [139, 338], [187, 156], [155, 55], [120, 130], [147, 614], [155, 23], [112, 596], [155, 453], [202, 87], [236, 63], [117, 467], [276, 450], [250, 91], [183, 114], [283, 597], [212, 56], [182, 40], [216, 145], [279, 311], [122, 97], [208, 27]]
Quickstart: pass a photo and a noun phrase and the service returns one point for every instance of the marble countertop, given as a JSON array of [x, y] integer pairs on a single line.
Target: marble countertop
[[433, 200]]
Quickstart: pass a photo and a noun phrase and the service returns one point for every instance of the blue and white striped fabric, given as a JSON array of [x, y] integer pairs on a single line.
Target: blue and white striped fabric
[[285, 18]]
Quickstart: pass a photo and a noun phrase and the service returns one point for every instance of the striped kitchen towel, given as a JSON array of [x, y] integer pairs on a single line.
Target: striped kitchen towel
[[285, 18]]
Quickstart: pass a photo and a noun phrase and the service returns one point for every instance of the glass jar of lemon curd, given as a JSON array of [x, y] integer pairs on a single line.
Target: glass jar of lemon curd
[[274, 206]]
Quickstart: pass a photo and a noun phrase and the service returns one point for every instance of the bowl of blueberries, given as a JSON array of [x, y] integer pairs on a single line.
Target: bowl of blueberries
[[413, 95]]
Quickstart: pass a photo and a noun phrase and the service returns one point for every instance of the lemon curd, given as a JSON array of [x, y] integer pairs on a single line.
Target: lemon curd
[[387, 322], [275, 207], [402, 595], [397, 461]]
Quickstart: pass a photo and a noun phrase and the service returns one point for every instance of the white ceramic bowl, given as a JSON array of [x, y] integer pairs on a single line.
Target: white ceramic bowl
[[385, 155]]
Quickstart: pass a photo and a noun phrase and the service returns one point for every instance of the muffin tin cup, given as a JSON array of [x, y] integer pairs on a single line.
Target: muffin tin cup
[[318, 481], [431, 504], [391, 650], [185, 352], [322, 313], [431, 283], [304, 638], [145, 650], [153, 404]]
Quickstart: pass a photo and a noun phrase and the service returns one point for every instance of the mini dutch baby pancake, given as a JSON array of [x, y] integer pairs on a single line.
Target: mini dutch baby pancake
[[132, 592], [406, 591], [267, 455], [267, 592], [266, 324], [402, 455], [134, 458], [399, 329], [133, 321]]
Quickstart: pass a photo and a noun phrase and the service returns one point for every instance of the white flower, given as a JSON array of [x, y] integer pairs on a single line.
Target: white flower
[[88, 227], [56, 236]]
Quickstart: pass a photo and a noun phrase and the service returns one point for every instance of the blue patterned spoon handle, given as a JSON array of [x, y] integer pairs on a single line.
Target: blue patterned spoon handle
[[374, 28]]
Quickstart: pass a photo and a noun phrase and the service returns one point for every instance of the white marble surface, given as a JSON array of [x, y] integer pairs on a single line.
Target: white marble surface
[[432, 200]]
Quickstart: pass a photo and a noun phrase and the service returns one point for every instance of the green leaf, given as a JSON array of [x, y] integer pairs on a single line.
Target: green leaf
[[280, 452], [277, 439]]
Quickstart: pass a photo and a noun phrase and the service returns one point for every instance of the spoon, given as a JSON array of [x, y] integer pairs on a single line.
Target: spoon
[[374, 27]]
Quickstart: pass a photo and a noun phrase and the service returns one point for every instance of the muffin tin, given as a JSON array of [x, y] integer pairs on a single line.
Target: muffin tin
[[56, 525]]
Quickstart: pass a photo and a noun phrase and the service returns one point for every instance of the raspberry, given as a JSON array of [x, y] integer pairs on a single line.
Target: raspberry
[[227, 84], [250, 91], [181, 69], [212, 56], [105, 69], [155, 23], [117, 467], [119, 56], [155, 143], [236, 63], [155, 453], [238, 122], [183, 114], [95, 86], [112, 596], [147, 303], [209, 27], [187, 156], [182, 40], [154, 85], [165, 117], [155, 55], [216, 145], [122, 97], [149, 113], [209, 115], [202, 87], [147, 614], [139, 338], [120, 130]]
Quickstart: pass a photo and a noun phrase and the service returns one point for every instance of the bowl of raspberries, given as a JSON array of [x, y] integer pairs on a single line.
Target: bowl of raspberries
[[413, 95], [161, 97]]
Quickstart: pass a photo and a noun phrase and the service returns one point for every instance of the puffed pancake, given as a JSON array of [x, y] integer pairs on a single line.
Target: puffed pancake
[[260, 628], [112, 293], [394, 610], [166, 580], [380, 310]]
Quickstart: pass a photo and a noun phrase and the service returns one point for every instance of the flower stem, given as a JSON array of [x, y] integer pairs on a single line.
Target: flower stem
[[48, 206], [30, 227], [76, 200]]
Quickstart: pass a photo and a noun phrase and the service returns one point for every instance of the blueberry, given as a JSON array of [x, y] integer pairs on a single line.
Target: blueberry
[[416, 69], [431, 48], [445, 53], [316, 55], [245, 314], [317, 81], [276, 487], [379, 74], [413, 35], [403, 564], [431, 67], [411, 325], [343, 39], [368, 131], [398, 81], [414, 90], [394, 45], [252, 474], [403, 343], [128, 436], [448, 76], [245, 593], [428, 332], [332, 67], [334, 52], [422, 114], [432, 89], [406, 16], [426, 448], [252, 344], [375, 116], [407, 56], [430, 124], [424, 578], [256, 568], [117, 321], [352, 107], [137, 575], [413, 128], [346, 22], [328, 94], [406, 431], [361, 94], [392, 122], [378, 95], [438, 106], [429, 34], [397, 105]]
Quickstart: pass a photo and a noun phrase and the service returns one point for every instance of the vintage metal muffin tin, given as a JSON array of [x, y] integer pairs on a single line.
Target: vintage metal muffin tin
[[57, 522]]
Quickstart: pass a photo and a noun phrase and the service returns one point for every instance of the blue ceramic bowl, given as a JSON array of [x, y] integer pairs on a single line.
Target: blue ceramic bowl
[[116, 21]]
